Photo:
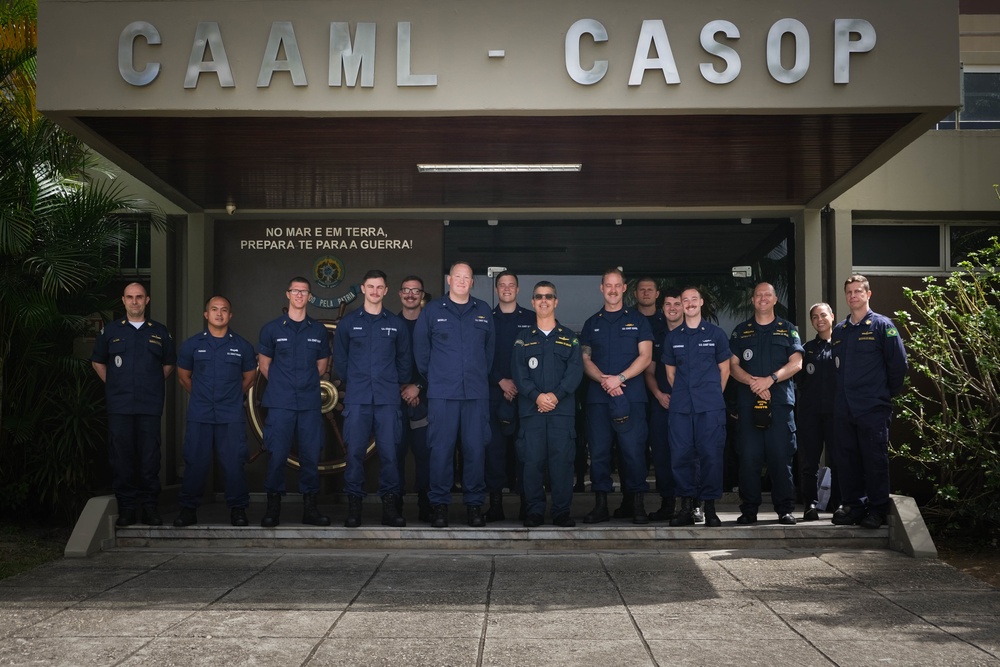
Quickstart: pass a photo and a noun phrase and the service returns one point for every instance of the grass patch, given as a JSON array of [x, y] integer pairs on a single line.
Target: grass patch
[[25, 548]]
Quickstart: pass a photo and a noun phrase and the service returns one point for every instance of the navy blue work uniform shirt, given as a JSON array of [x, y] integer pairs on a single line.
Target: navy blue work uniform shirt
[[134, 359], [870, 362], [658, 323], [507, 327], [217, 366], [547, 363], [415, 376], [372, 353], [613, 338], [762, 350], [454, 345], [695, 353], [817, 381], [294, 349]]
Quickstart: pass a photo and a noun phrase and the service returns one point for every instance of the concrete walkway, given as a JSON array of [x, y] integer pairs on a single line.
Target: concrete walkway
[[404, 608]]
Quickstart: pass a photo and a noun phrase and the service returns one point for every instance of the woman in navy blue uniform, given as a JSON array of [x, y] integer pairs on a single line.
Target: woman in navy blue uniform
[[817, 386]]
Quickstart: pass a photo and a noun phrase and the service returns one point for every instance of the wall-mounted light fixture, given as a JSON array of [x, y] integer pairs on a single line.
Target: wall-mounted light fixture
[[230, 207], [508, 168]]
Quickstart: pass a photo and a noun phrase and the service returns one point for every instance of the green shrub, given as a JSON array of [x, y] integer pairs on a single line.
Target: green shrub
[[953, 407]]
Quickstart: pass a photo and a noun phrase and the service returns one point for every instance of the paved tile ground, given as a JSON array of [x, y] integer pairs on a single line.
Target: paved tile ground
[[404, 608]]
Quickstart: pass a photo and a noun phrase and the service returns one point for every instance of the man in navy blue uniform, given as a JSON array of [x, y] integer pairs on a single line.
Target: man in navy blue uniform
[[372, 353], [217, 367], [294, 352], [696, 359], [414, 405], [133, 356], [659, 407], [547, 366], [453, 343], [767, 353], [817, 387], [617, 345], [647, 295], [509, 320], [871, 366]]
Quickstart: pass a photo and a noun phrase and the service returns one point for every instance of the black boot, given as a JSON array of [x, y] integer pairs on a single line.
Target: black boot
[[187, 517], [238, 516], [639, 509], [600, 511], [439, 516], [711, 517], [310, 513], [625, 510], [666, 511], [495, 512], [272, 515], [684, 517], [476, 518], [423, 507], [353, 519], [522, 511], [390, 512]]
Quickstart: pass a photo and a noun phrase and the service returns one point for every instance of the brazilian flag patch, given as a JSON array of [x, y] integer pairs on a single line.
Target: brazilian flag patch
[[891, 332]]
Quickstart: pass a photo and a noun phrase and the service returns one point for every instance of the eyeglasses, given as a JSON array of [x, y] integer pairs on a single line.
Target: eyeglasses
[[545, 297], [298, 292], [411, 290]]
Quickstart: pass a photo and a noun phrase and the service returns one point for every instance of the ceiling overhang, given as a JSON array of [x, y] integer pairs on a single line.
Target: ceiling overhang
[[307, 107]]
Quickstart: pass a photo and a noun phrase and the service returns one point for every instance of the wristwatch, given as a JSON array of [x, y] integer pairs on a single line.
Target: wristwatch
[[774, 376], [621, 377]]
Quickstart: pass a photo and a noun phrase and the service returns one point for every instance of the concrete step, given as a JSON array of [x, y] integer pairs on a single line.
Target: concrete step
[[214, 531]]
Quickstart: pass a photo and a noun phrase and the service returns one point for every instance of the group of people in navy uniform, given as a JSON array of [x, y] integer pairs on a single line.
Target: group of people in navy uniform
[[499, 387]]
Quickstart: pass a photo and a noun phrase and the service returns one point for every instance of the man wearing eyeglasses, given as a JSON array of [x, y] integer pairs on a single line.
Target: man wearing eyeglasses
[[414, 400], [294, 351], [372, 353], [870, 363], [453, 343], [509, 320], [547, 366]]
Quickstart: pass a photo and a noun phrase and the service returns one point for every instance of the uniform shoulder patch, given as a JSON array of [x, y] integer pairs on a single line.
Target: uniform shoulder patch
[[891, 332]]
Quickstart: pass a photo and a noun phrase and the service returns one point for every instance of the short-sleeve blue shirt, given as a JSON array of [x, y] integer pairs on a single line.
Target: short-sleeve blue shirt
[[613, 338], [695, 353], [294, 349], [217, 366], [762, 349]]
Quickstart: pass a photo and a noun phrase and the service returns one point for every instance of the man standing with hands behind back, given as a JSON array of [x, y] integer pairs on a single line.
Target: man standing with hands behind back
[[133, 357], [217, 367], [294, 352]]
